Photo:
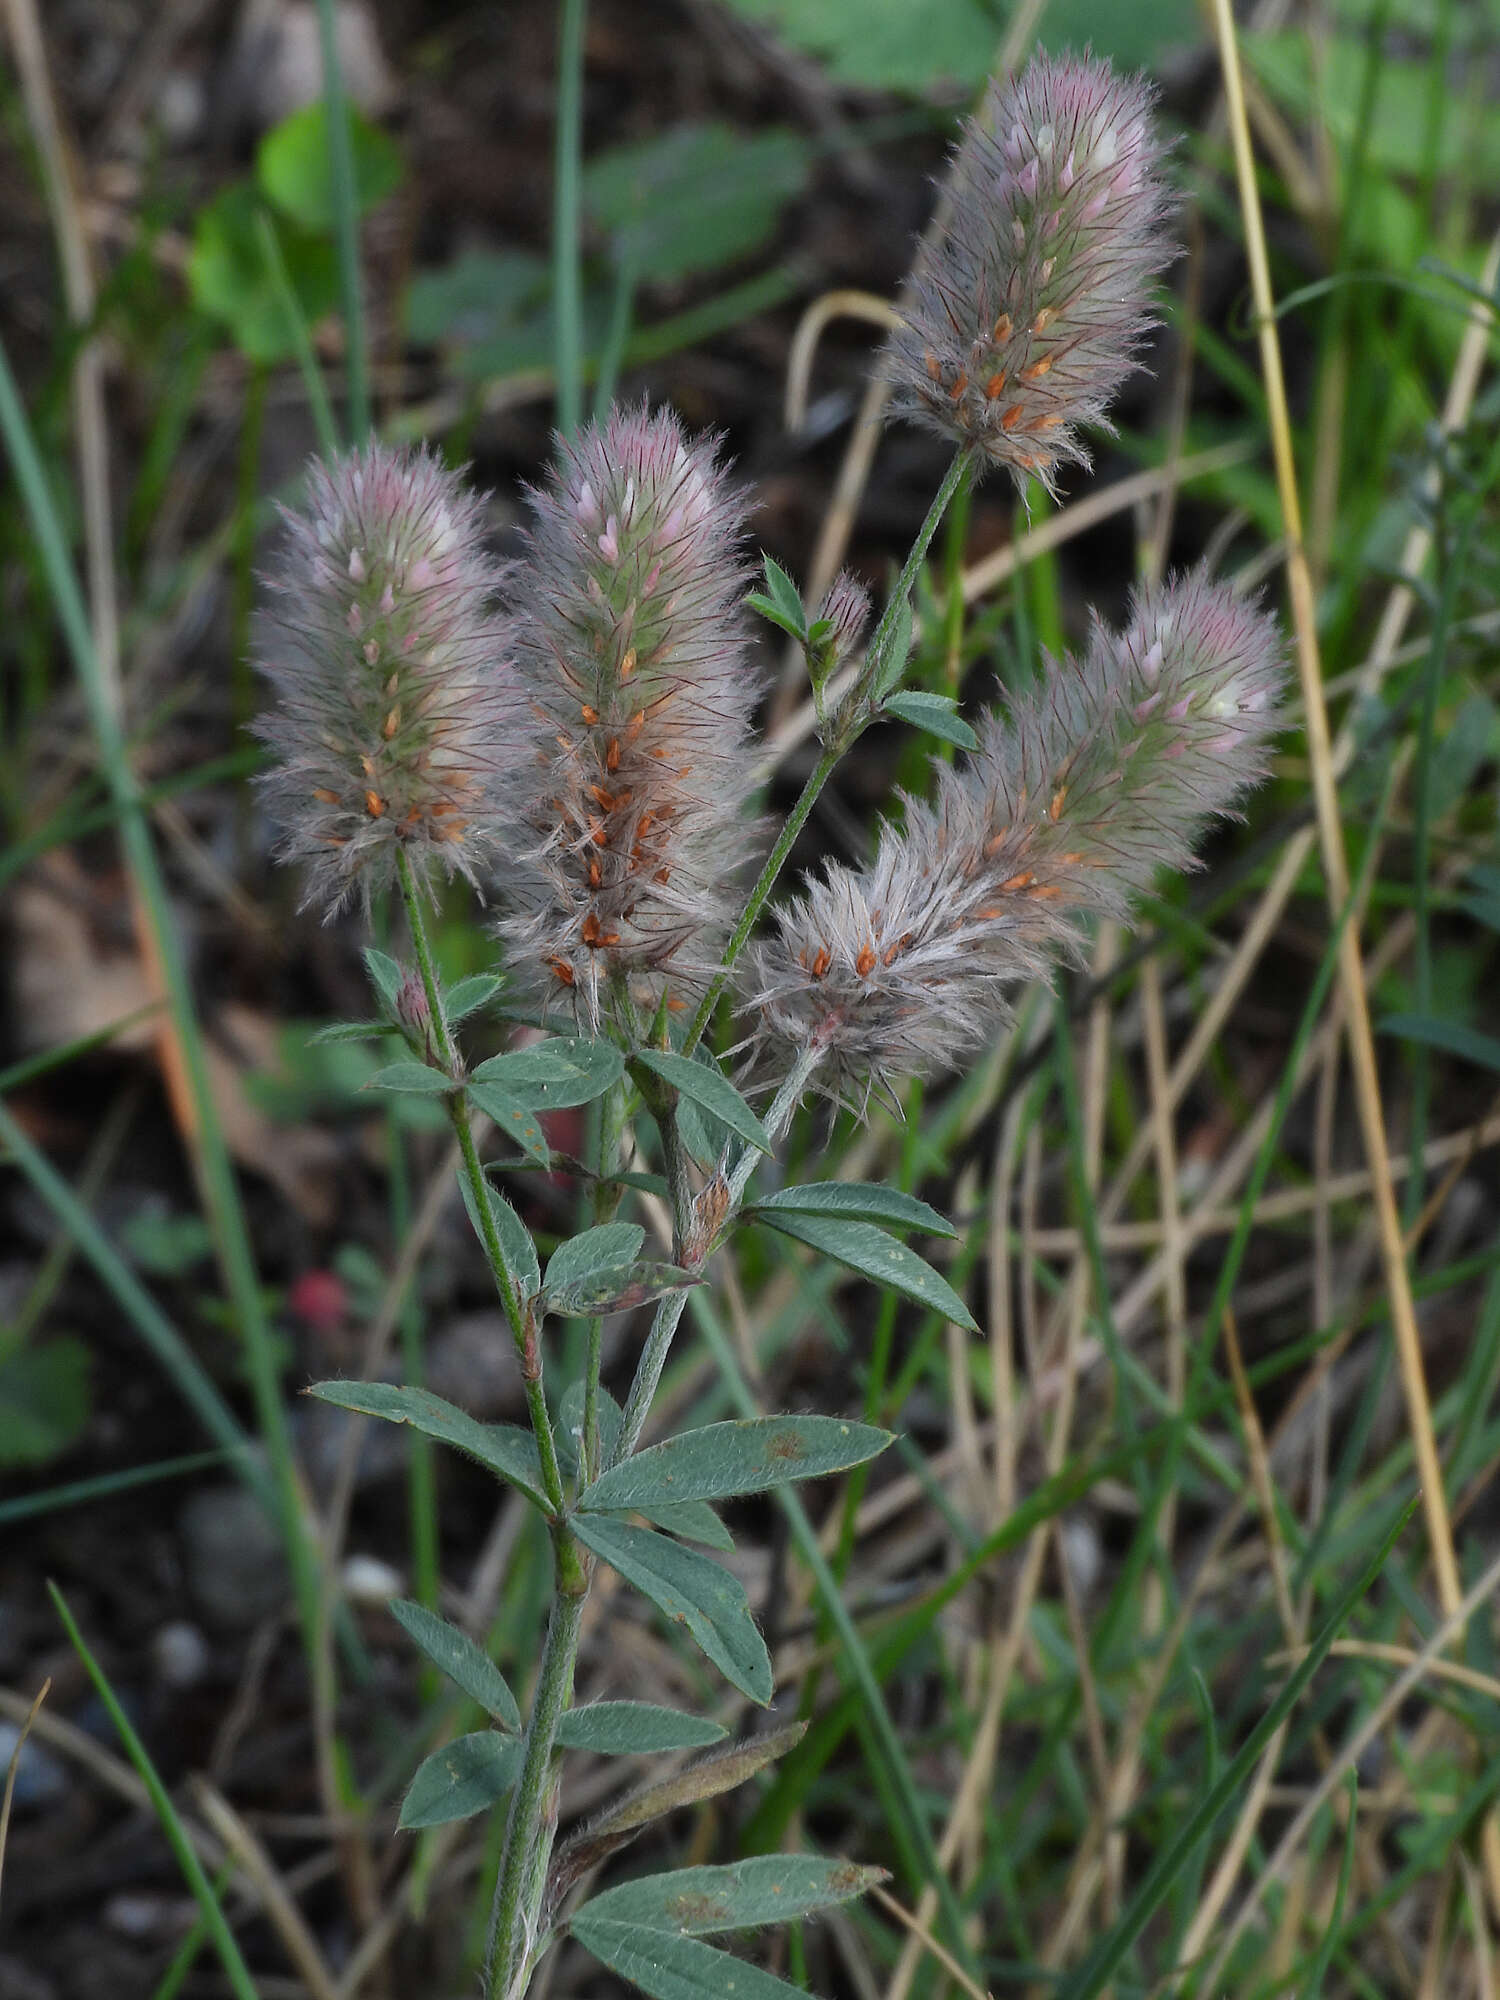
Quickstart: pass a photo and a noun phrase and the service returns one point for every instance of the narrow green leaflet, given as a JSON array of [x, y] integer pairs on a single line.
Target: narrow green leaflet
[[515, 1237], [518, 1122], [501, 1447], [709, 1088], [605, 1247], [898, 651], [465, 1664], [618, 1290], [349, 1031], [781, 601], [935, 713], [467, 996], [691, 1590], [669, 1966], [635, 1729], [871, 1252], [385, 975], [691, 1521], [744, 1456], [555, 1074], [413, 1077], [467, 1776], [768, 1889], [860, 1201], [569, 1425]]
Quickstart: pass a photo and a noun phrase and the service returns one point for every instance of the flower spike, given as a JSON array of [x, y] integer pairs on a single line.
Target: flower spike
[[1031, 305]]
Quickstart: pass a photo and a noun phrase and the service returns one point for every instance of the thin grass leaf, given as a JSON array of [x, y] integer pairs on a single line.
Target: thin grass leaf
[[1450, 1036], [235, 1969]]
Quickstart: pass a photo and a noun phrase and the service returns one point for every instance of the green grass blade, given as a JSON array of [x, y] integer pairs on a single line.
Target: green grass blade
[[237, 1972], [346, 226], [567, 201], [104, 1486], [1095, 1974]]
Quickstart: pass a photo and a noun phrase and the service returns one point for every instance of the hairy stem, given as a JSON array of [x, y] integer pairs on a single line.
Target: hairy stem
[[532, 1810], [860, 710], [517, 1312], [669, 1311]]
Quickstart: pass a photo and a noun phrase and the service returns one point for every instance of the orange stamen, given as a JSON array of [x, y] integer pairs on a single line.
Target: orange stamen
[[374, 805], [1011, 417]]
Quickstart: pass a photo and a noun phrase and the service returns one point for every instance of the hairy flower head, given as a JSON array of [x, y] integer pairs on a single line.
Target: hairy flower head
[[1031, 304], [1077, 794], [632, 653], [394, 707]]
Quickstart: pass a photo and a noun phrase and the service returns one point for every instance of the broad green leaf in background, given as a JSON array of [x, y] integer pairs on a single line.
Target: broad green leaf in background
[[913, 46], [704, 1085], [767, 1889], [869, 1250], [936, 713], [860, 1201], [669, 1966], [605, 1247], [1450, 1036], [635, 1728], [465, 301], [691, 1590], [694, 198], [230, 281], [292, 167], [44, 1400], [515, 1237], [745, 1455], [465, 1663], [467, 1776], [502, 1448]]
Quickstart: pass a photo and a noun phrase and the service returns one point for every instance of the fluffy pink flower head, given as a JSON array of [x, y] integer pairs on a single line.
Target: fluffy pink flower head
[[1031, 305], [1076, 796], [631, 648], [394, 709]]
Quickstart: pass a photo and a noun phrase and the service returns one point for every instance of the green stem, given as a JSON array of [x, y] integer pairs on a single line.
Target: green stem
[[670, 1309], [606, 1201], [531, 1812], [860, 711], [346, 225], [518, 1314], [567, 281]]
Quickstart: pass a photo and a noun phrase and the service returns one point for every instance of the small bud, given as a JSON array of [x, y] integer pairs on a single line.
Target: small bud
[[395, 708], [1076, 796], [412, 1011], [631, 648], [845, 613], [1031, 305]]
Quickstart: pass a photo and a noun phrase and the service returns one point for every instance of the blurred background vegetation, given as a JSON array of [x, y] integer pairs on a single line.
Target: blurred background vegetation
[[1045, 1649]]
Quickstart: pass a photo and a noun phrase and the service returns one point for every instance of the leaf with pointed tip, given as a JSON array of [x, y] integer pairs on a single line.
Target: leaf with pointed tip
[[634, 1729], [708, 1087], [467, 1776], [603, 1248], [385, 975], [467, 996], [515, 1237], [415, 1078], [502, 1448], [516, 1121], [766, 1889], [720, 1771], [872, 1253], [555, 1074], [619, 1290], [787, 596], [465, 1664], [859, 1201], [569, 1425], [741, 1456], [936, 713], [668, 1966], [349, 1031], [692, 1591]]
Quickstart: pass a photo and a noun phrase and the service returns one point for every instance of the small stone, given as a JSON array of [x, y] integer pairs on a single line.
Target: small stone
[[368, 1580], [180, 1655], [233, 1558]]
